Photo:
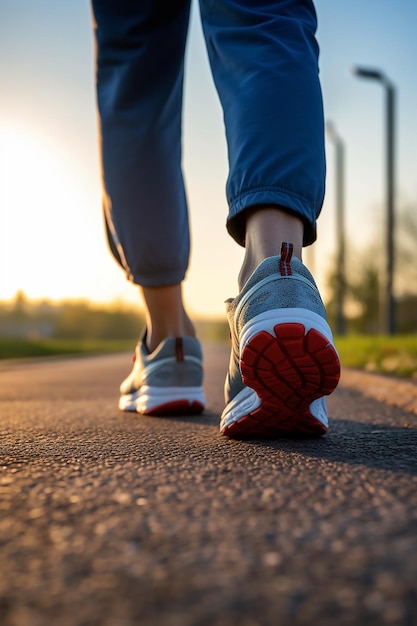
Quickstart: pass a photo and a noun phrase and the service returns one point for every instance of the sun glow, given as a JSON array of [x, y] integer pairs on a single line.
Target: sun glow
[[47, 218]]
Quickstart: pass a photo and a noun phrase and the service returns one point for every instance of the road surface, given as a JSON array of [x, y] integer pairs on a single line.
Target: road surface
[[111, 519]]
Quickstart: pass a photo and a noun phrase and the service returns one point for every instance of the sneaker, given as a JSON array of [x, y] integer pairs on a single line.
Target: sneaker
[[283, 359], [167, 381]]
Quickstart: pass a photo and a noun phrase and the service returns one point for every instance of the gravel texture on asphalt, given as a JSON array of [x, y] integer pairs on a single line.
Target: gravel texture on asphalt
[[112, 519]]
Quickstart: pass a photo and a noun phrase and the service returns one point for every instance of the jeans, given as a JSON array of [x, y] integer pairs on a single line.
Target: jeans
[[264, 60]]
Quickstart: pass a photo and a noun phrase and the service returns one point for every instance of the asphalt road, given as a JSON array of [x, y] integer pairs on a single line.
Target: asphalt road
[[110, 519]]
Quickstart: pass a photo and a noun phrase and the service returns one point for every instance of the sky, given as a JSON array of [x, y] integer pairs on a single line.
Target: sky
[[52, 240]]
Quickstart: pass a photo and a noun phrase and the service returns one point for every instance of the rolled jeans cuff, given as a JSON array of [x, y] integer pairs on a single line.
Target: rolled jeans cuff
[[284, 199]]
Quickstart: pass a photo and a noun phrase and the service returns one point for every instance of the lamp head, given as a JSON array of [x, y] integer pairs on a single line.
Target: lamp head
[[368, 72]]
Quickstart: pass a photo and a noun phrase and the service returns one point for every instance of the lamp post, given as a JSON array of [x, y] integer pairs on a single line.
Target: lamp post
[[340, 226], [390, 94]]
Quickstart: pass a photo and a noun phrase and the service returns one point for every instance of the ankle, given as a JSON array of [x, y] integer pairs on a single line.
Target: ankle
[[165, 315], [156, 332], [266, 228]]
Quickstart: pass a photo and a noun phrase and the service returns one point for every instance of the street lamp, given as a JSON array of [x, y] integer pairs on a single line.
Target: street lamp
[[340, 226], [374, 74]]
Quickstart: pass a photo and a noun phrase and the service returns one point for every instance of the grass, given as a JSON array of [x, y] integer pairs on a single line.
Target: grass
[[21, 348], [388, 355], [395, 355]]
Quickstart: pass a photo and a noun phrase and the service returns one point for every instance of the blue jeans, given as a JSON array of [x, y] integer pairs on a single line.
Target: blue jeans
[[263, 57]]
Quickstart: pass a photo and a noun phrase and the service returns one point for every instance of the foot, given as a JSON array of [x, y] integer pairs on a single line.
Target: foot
[[167, 381], [283, 359]]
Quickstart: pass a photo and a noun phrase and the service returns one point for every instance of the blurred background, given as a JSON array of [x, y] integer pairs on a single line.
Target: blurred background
[[52, 245]]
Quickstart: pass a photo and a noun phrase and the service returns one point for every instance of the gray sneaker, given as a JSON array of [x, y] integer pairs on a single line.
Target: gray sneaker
[[166, 382], [283, 359]]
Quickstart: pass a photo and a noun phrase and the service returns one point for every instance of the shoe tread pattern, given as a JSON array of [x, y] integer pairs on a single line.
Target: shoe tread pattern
[[288, 371]]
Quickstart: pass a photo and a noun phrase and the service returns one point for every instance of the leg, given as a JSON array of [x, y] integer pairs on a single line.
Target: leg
[[140, 64], [264, 61]]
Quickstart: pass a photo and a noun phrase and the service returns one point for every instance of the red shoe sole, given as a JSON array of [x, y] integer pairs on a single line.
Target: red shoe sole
[[287, 372], [176, 408]]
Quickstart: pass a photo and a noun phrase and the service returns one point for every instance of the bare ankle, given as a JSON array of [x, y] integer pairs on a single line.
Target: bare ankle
[[266, 228], [165, 315], [157, 333]]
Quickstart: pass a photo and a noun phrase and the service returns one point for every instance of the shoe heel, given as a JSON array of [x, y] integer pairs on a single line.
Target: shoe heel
[[290, 370], [300, 365]]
